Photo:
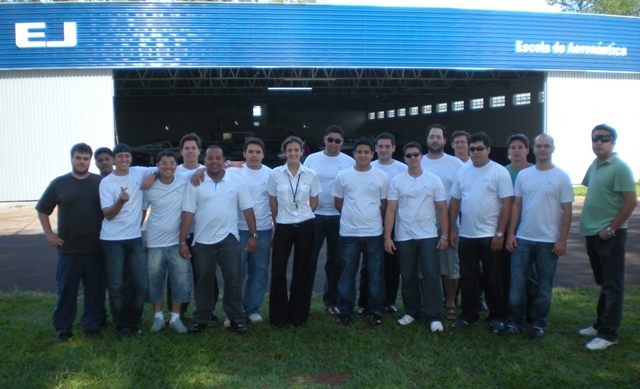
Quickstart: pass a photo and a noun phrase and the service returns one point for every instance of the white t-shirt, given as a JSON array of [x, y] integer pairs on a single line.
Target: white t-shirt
[[126, 224], [480, 191], [257, 181], [215, 207], [327, 169], [542, 193], [392, 169], [162, 228], [362, 192], [283, 186], [416, 212], [445, 167], [180, 169]]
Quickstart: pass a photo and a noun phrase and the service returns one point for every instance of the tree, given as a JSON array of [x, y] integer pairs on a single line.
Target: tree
[[610, 7]]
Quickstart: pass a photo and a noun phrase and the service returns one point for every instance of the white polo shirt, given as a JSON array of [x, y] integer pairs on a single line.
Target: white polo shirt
[[162, 228], [257, 181], [327, 169], [283, 186], [480, 191], [126, 224], [215, 207], [445, 167], [362, 193], [416, 212], [392, 169], [543, 192]]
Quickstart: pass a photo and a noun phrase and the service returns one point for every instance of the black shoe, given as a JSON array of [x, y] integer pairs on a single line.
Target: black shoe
[[332, 310], [375, 319], [460, 323], [62, 336], [391, 309], [343, 319], [361, 311], [536, 332], [214, 318], [238, 327], [95, 334], [496, 327], [197, 327], [511, 329]]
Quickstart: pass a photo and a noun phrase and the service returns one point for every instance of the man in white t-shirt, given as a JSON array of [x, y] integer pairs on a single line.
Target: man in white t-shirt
[[360, 195], [446, 168], [326, 224], [121, 201], [212, 208], [255, 266], [415, 203], [460, 145], [541, 211], [482, 195], [164, 199]]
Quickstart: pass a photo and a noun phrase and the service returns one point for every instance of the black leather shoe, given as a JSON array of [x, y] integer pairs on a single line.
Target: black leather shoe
[[197, 328], [62, 336], [238, 327], [375, 320], [343, 319]]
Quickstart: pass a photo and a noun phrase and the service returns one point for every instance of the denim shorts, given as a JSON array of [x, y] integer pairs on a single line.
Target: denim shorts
[[449, 263], [166, 263]]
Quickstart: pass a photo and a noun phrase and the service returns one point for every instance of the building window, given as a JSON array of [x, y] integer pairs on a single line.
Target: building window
[[413, 111], [457, 106], [391, 114], [380, 114], [372, 115], [426, 109], [496, 101], [541, 97], [257, 111], [441, 107], [476, 103], [402, 112], [522, 98]]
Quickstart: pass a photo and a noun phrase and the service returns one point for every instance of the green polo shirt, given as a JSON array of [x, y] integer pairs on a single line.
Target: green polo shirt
[[605, 183]]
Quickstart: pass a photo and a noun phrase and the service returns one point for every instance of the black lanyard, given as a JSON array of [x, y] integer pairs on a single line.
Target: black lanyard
[[294, 192]]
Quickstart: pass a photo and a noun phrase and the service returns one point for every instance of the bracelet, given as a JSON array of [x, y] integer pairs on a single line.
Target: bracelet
[[183, 243], [444, 237]]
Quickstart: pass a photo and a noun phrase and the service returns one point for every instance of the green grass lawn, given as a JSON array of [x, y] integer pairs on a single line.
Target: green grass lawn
[[581, 190], [320, 354]]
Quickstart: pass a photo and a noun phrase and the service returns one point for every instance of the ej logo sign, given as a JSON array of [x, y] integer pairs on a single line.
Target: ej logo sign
[[31, 35]]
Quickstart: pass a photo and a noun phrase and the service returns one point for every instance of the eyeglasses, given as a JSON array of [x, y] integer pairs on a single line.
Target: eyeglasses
[[479, 149], [412, 155], [333, 140], [601, 138]]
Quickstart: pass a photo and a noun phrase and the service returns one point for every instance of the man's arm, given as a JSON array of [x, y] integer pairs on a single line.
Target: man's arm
[[503, 219], [383, 207], [185, 226], [513, 222], [389, 220], [273, 204], [250, 218], [338, 202], [454, 209], [313, 202], [53, 239], [113, 211], [441, 208], [629, 202], [560, 247]]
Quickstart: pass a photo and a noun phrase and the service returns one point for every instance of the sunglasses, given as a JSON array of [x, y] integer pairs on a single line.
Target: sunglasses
[[479, 148], [334, 140], [412, 155], [601, 138]]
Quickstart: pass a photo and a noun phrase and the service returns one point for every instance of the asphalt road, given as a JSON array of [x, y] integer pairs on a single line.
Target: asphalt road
[[27, 262]]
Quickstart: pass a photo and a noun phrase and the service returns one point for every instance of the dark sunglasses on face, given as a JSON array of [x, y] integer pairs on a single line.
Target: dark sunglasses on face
[[334, 140], [601, 138], [479, 148], [410, 155]]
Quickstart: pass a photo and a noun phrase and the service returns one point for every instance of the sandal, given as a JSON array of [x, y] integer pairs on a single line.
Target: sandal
[[451, 314]]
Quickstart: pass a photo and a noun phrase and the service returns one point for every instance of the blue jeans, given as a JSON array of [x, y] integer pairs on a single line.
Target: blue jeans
[[166, 263], [607, 262], [71, 269], [421, 296], [539, 256], [127, 281], [327, 227], [350, 249], [255, 267]]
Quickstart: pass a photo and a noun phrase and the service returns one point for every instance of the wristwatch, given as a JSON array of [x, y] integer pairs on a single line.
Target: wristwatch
[[610, 231], [253, 235], [499, 235]]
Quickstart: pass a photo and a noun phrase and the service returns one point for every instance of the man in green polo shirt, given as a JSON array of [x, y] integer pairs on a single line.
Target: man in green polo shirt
[[611, 198]]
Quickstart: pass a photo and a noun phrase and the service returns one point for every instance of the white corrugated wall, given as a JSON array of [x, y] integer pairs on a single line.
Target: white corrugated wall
[[576, 102], [42, 114]]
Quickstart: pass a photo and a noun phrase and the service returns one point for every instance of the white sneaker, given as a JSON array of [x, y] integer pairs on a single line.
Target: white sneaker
[[436, 326], [589, 331], [227, 323], [178, 326], [158, 324], [405, 320], [599, 344], [255, 318]]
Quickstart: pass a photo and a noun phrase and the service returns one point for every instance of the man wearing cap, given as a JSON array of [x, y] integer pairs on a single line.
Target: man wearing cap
[[121, 201]]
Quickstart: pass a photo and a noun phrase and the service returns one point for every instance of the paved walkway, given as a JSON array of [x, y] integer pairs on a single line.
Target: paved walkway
[[27, 262]]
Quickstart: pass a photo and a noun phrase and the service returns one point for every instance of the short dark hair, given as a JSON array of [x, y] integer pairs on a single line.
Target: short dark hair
[[334, 128], [608, 128], [386, 135], [214, 147], [521, 137], [81, 148], [363, 141], [103, 150], [480, 137], [166, 153], [442, 127], [191, 136], [411, 144], [291, 139], [458, 133], [253, 141]]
